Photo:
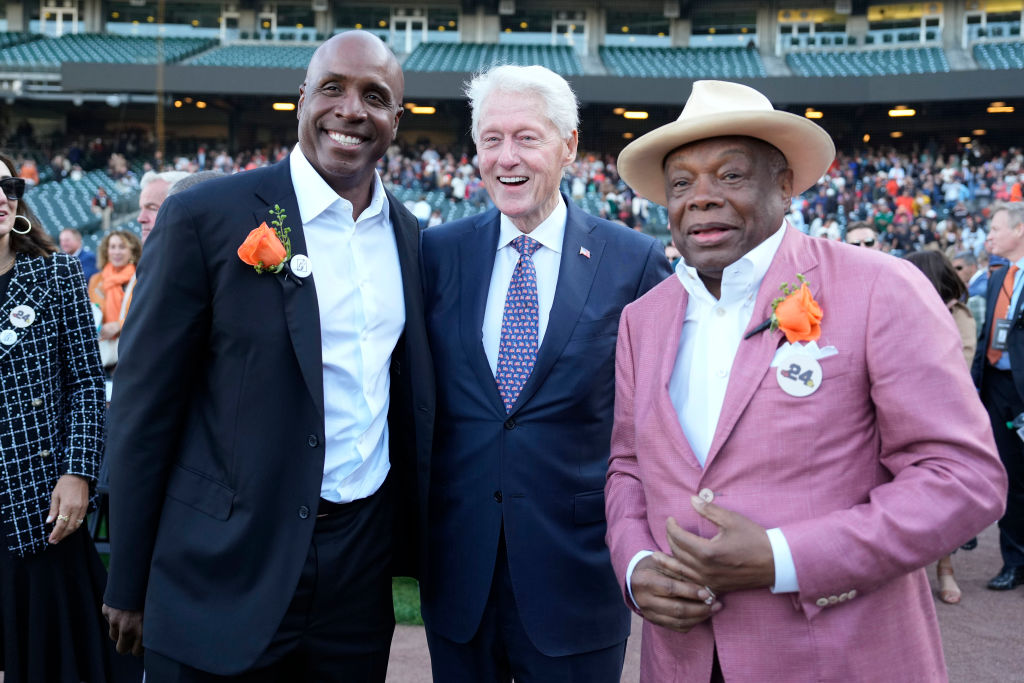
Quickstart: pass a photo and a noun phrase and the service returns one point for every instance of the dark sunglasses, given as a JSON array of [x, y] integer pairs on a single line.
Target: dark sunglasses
[[865, 243], [13, 188]]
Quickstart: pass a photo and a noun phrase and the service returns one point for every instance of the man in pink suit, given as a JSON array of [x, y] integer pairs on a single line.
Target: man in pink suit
[[774, 492]]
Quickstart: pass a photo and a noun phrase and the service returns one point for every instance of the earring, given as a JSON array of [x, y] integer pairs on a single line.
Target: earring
[[26, 230]]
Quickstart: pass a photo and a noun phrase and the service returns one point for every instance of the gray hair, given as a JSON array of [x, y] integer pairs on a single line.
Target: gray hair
[[559, 99], [169, 177], [1014, 209], [193, 179], [967, 257]]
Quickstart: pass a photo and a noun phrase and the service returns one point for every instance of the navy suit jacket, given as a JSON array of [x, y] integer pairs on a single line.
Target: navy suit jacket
[[536, 473], [1015, 340], [216, 441], [980, 286]]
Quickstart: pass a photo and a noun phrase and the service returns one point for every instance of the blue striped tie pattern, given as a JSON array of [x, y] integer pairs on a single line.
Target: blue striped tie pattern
[[517, 350]]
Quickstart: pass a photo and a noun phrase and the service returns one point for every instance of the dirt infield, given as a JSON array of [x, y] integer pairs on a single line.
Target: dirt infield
[[981, 635]]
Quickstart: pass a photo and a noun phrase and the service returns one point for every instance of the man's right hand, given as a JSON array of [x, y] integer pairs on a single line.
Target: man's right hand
[[667, 600], [125, 629]]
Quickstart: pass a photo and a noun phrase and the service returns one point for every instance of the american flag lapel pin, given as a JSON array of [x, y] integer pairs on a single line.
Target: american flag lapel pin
[[584, 252]]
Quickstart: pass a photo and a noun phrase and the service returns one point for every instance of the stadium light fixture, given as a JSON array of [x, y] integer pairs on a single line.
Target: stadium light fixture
[[619, 111], [896, 134], [902, 110], [424, 110], [200, 105], [978, 132], [628, 136], [999, 108], [636, 115], [283, 106], [177, 104], [813, 113], [867, 137], [963, 139]]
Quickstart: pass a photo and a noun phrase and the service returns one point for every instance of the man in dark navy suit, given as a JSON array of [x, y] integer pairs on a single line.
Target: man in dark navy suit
[[523, 307], [266, 421]]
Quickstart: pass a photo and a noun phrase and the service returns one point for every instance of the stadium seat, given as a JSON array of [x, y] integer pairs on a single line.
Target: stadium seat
[[49, 53], [1000, 55], [471, 57], [266, 56], [895, 62], [680, 62]]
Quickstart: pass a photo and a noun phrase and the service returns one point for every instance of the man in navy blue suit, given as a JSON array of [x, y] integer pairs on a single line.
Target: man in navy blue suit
[[522, 306]]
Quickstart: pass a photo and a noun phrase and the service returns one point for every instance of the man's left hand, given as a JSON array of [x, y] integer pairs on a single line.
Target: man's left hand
[[738, 557]]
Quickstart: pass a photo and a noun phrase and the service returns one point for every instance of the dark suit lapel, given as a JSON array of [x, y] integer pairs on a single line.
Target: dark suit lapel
[[28, 287], [575, 278], [477, 251], [754, 356], [407, 239], [300, 303]]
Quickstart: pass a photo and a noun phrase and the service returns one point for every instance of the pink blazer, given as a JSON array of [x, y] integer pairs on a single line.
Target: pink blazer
[[887, 467]]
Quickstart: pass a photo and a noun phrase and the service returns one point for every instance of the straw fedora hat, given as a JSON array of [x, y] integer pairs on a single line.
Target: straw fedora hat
[[719, 108]]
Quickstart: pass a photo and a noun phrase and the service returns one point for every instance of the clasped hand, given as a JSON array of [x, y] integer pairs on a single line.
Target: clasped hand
[[680, 590]]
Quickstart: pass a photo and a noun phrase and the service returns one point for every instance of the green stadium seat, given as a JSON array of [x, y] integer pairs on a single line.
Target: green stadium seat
[[1000, 55], [894, 62], [683, 62], [266, 56], [50, 53], [472, 57]]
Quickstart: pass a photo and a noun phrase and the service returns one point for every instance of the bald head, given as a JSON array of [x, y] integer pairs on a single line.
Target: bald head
[[349, 107]]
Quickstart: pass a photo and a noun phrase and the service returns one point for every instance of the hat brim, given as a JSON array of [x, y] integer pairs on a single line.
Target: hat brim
[[808, 149]]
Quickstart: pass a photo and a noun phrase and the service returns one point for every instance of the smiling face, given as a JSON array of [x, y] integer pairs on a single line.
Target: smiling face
[[349, 107], [521, 157], [725, 196]]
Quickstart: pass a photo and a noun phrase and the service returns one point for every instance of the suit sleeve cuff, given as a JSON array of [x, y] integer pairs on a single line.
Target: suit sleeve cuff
[[785, 570], [629, 574]]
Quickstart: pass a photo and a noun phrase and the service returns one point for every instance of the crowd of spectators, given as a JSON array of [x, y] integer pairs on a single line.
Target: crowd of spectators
[[916, 200]]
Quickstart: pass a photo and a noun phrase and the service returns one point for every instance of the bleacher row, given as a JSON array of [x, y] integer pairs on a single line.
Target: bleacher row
[[35, 53]]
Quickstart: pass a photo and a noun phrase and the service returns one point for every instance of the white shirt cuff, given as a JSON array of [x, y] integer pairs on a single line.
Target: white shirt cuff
[[629, 573], [785, 570]]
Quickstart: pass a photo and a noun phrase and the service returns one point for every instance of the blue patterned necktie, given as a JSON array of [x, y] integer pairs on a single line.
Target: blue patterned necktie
[[517, 350]]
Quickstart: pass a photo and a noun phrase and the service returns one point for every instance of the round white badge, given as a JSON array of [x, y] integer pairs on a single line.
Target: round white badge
[[301, 265], [22, 316], [799, 374], [8, 337]]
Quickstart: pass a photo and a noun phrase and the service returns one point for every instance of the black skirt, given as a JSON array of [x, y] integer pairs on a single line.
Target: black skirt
[[52, 629]]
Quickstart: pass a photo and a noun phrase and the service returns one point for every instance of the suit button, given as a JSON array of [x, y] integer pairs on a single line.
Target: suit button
[[36, 402], [821, 602], [497, 496], [312, 440], [510, 423], [45, 453], [303, 512], [833, 599], [707, 495]]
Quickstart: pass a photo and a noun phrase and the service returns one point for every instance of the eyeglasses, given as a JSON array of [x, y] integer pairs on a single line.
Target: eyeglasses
[[864, 243], [13, 188]]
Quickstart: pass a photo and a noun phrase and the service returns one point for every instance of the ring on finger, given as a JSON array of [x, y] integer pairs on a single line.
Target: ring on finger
[[64, 518], [711, 596]]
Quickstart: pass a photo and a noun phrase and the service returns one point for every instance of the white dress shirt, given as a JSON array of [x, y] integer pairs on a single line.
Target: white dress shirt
[[546, 261], [712, 331], [362, 315]]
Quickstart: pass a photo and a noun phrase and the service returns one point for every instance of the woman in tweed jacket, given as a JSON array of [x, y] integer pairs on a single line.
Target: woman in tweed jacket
[[51, 441]]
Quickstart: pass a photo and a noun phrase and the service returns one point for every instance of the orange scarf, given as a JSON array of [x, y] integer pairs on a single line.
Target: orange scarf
[[114, 280]]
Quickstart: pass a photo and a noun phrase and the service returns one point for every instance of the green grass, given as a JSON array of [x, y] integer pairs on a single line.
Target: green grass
[[406, 594]]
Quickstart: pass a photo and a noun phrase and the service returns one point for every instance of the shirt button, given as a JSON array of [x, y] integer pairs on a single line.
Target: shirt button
[[722, 373], [720, 312], [707, 495], [510, 423], [303, 512], [312, 440], [833, 599], [497, 496], [36, 402], [852, 594], [821, 602]]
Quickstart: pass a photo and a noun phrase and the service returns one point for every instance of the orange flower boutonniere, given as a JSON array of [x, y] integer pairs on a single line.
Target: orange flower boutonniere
[[268, 249], [797, 314]]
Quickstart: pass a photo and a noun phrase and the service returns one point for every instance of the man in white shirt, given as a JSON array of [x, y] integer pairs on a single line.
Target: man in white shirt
[[523, 304], [272, 398], [793, 442]]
